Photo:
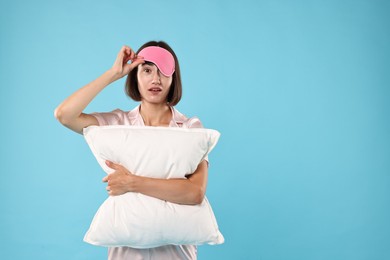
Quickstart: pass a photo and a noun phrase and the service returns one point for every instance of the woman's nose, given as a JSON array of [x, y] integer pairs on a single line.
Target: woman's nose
[[156, 77]]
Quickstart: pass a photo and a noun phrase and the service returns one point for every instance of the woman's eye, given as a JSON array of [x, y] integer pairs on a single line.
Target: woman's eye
[[147, 70]]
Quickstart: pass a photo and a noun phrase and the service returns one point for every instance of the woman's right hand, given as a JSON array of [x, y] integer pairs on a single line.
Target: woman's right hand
[[121, 66]]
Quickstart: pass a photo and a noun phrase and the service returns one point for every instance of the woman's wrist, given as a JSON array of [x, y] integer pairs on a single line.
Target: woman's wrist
[[113, 75], [135, 183]]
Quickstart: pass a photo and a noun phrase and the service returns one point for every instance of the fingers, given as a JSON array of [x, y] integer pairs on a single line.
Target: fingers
[[136, 62], [112, 165], [124, 55], [108, 187], [110, 192], [128, 54]]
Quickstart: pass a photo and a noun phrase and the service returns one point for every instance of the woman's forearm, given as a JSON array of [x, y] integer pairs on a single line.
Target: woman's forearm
[[188, 191], [180, 191]]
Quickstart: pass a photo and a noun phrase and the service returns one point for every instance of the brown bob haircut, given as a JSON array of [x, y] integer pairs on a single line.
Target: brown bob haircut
[[174, 95]]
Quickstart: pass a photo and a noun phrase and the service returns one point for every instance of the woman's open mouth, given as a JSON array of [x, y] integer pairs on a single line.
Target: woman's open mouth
[[155, 90]]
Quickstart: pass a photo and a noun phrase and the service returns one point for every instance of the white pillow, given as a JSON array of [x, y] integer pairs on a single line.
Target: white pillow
[[140, 221]]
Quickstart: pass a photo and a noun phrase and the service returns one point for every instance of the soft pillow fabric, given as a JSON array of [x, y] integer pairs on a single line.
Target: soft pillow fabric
[[140, 221]]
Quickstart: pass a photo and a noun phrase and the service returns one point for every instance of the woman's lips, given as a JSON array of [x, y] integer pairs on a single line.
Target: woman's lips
[[155, 89]]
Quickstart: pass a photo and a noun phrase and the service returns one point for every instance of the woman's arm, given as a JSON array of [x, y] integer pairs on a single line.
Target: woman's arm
[[70, 112], [188, 191]]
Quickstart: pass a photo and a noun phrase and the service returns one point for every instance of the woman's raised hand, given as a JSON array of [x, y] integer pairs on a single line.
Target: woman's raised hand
[[121, 66]]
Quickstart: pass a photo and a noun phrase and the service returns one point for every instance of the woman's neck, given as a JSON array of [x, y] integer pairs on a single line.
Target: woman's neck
[[155, 114]]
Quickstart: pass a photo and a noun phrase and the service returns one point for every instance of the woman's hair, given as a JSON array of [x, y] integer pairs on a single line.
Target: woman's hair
[[174, 95]]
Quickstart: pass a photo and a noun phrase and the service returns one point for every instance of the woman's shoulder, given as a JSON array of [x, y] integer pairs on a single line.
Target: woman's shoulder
[[186, 122], [117, 117]]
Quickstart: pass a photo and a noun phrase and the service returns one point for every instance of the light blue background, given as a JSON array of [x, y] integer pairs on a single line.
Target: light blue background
[[298, 89]]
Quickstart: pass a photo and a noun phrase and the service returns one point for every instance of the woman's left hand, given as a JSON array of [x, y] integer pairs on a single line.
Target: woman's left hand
[[120, 181]]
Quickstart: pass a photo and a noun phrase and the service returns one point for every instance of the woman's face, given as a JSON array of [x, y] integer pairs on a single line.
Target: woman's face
[[152, 84]]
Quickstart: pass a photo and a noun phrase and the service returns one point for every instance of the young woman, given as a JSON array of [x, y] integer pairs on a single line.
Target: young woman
[[153, 78]]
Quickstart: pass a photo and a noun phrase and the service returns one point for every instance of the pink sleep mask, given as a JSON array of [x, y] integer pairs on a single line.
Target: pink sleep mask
[[161, 57]]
